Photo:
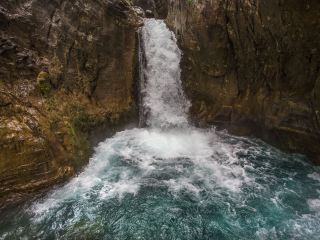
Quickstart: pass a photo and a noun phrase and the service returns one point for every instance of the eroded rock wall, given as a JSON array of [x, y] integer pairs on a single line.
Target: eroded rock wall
[[159, 8], [66, 70], [253, 66]]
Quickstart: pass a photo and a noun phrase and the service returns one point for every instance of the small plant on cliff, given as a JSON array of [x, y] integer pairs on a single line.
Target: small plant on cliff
[[190, 1], [43, 83]]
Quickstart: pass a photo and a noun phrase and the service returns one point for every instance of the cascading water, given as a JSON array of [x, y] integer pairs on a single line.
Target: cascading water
[[164, 102], [173, 181]]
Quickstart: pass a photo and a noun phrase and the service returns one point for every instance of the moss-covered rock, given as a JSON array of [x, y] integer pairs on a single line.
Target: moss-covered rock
[[59, 84], [43, 83]]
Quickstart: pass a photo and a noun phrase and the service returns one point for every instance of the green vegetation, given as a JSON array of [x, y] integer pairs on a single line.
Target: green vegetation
[[190, 1], [43, 83]]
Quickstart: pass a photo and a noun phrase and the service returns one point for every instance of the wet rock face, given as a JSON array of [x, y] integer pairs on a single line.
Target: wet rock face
[[66, 70], [31, 156], [253, 66], [153, 8]]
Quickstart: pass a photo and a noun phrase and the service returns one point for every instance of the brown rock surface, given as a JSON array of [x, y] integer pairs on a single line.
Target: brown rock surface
[[253, 66], [66, 70], [159, 8]]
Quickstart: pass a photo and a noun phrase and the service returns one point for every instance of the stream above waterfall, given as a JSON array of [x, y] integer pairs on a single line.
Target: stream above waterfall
[[171, 180]]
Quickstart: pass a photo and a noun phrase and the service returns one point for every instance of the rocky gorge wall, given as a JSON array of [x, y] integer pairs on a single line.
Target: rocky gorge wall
[[253, 67], [67, 70], [156, 8]]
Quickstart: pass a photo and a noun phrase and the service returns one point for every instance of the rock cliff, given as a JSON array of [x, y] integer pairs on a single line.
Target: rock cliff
[[66, 69], [253, 66], [158, 8]]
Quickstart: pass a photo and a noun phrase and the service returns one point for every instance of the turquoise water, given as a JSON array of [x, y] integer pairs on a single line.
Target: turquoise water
[[174, 181], [191, 184]]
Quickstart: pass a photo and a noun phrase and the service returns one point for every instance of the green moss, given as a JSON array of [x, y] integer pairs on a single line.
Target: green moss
[[84, 121], [190, 1], [43, 75], [43, 83]]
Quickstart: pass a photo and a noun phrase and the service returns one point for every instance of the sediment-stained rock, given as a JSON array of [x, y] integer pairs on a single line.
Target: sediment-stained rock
[[67, 68]]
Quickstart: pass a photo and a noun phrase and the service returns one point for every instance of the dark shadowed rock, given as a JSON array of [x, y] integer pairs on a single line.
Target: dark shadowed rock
[[154, 8], [253, 66]]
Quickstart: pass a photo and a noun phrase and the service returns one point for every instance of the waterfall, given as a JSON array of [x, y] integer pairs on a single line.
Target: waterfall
[[170, 180], [164, 103]]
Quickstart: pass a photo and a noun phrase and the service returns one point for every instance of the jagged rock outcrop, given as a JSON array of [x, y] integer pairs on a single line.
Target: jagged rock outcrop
[[66, 70], [159, 8], [253, 66]]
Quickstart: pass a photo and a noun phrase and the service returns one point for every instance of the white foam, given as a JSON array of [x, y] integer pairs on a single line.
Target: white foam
[[193, 160], [314, 205], [264, 234], [123, 164], [183, 184], [119, 189], [314, 176]]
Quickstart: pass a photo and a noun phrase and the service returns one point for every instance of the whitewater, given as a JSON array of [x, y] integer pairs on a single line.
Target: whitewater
[[171, 180]]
